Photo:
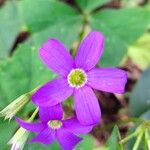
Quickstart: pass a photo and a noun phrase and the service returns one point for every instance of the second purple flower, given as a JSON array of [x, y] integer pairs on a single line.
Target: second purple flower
[[52, 127]]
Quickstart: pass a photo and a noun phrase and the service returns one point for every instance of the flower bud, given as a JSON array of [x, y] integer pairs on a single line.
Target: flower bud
[[19, 139], [11, 110]]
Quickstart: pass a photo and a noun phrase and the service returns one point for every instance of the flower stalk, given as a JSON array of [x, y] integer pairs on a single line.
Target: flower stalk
[[84, 31]]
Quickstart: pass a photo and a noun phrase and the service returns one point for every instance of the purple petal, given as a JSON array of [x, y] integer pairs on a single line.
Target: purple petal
[[86, 106], [75, 127], [56, 57], [51, 113], [52, 93], [90, 51], [66, 139], [33, 127], [107, 79], [47, 136]]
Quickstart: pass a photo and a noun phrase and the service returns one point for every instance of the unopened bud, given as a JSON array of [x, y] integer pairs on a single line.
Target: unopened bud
[[19, 139], [10, 111]]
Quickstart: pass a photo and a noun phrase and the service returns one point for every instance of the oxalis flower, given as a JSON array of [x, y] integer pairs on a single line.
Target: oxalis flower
[[51, 127], [78, 77]]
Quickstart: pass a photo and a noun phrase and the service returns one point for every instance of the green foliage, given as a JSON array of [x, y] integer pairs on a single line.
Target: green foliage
[[86, 144], [139, 136], [54, 19], [121, 28], [51, 18], [18, 75], [113, 141], [58, 20], [140, 51], [140, 96], [46, 13], [10, 25], [89, 5], [21, 74], [6, 132]]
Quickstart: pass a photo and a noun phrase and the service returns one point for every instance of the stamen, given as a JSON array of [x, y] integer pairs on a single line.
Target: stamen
[[54, 124], [77, 78]]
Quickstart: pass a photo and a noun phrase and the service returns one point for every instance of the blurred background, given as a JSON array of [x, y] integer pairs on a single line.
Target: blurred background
[[26, 24]]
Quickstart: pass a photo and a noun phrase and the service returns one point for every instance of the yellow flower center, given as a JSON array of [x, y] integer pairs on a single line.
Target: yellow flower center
[[54, 124], [77, 78]]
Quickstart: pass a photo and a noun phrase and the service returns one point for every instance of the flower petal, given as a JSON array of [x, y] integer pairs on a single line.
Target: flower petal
[[86, 106], [90, 51], [74, 126], [51, 113], [47, 136], [107, 79], [66, 139], [56, 57], [33, 127], [52, 93]]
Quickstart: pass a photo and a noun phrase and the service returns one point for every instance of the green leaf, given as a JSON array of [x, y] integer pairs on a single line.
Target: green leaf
[[51, 18], [10, 26], [21, 74], [86, 144], [140, 51], [140, 96], [143, 145], [121, 28], [61, 31], [89, 5], [46, 13], [113, 142], [7, 130]]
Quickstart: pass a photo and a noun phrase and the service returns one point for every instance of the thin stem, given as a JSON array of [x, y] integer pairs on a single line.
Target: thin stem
[[128, 137], [138, 140], [85, 26], [33, 115], [147, 138]]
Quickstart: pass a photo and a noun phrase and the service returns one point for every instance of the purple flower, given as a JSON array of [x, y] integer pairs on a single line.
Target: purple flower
[[52, 127], [77, 77]]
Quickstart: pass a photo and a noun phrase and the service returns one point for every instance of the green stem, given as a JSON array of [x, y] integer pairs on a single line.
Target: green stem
[[82, 33], [138, 140], [33, 115], [147, 137], [128, 137]]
